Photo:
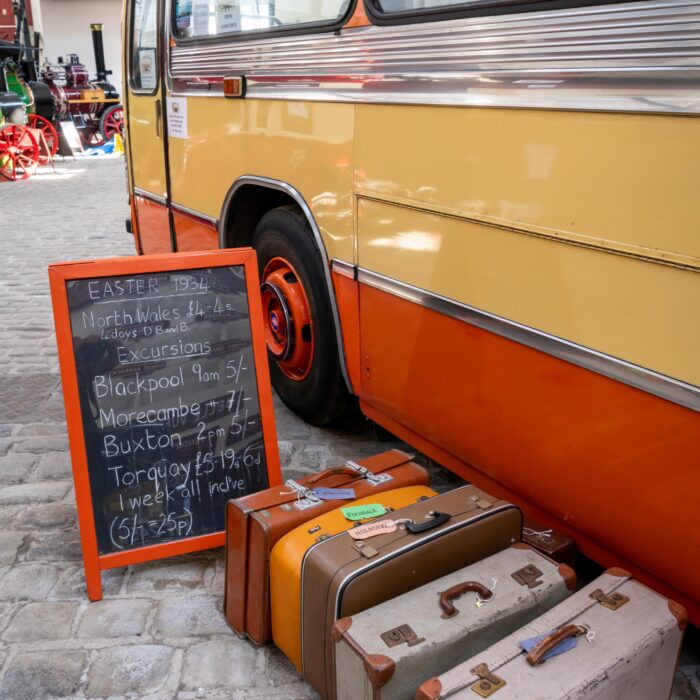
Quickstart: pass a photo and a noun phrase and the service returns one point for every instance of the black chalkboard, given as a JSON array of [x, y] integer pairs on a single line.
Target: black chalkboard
[[169, 401]]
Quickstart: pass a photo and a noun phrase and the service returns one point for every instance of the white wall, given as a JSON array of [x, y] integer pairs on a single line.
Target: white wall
[[66, 25]]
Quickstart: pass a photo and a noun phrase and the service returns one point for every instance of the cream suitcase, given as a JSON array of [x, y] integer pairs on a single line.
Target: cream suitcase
[[388, 651], [627, 643]]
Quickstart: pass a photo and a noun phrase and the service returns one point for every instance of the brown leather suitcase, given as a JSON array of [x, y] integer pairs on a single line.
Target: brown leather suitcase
[[343, 576], [256, 522], [551, 543]]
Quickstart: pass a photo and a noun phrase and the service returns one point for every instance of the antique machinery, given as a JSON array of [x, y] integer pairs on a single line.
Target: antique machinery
[[19, 150], [93, 105]]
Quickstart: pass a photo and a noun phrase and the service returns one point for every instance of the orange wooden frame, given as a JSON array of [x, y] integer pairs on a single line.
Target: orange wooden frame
[[59, 274]]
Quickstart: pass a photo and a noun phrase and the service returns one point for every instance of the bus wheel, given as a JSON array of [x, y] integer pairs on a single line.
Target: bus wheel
[[299, 330]]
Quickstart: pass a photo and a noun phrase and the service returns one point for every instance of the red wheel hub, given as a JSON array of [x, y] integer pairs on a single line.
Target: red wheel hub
[[287, 319]]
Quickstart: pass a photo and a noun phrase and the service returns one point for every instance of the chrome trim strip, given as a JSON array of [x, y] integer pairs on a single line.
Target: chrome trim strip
[[196, 214], [635, 56], [660, 385], [158, 199], [344, 268], [296, 196]]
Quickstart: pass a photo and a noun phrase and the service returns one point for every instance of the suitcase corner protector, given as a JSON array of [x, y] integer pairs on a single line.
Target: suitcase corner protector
[[430, 690], [340, 627], [569, 576], [680, 613]]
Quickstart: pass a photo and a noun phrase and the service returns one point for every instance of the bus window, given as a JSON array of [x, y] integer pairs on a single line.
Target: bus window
[[200, 18], [431, 10], [144, 64]]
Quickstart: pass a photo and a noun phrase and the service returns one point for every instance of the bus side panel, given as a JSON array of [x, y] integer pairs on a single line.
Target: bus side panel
[[153, 226], [193, 234], [613, 463], [636, 310], [307, 145], [347, 295]]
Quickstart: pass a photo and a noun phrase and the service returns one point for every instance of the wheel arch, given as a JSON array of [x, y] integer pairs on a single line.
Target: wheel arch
[[249, 198]]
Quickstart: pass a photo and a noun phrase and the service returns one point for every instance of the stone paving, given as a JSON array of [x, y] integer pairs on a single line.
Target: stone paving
[[159, 632]]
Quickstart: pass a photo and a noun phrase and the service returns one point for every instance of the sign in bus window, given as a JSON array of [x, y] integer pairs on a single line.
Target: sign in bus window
[[197, 18]]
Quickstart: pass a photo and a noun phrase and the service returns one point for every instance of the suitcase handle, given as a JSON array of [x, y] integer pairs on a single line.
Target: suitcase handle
[[437, 520], [535, 657], [335, 471], [446, 597]]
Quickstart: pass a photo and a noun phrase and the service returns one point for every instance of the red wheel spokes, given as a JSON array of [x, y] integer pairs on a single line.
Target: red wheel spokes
[[19, 152], [114, 123], [46, 127]]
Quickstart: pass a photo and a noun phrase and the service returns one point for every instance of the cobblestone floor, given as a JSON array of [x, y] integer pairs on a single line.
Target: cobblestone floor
[[159, 632]]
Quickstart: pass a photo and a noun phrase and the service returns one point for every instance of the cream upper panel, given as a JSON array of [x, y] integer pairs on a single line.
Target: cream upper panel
[[625, 181], [307, 145]]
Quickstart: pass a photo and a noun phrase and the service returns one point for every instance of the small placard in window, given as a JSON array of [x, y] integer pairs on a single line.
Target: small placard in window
[[147, 68]]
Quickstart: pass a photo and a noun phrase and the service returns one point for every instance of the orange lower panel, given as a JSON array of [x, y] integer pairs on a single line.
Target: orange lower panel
[[153, 226], [614, 467], [347, 296], [193, 233]]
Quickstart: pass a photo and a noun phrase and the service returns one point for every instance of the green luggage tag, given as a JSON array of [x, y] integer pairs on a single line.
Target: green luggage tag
[[369, 510]]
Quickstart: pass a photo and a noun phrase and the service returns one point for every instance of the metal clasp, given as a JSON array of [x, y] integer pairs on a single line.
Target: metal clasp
[[403, 634], [612, 601], [371, 478], [488, 682], [527, 576], [366, 550], [305, 497]]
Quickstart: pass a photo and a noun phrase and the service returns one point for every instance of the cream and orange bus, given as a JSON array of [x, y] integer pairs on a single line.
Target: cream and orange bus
[[480, 218]]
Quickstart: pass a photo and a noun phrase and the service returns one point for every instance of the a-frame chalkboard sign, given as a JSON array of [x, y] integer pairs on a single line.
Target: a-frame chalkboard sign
[[168, 400]]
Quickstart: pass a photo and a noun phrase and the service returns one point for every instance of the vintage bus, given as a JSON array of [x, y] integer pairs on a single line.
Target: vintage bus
[[480, 218]]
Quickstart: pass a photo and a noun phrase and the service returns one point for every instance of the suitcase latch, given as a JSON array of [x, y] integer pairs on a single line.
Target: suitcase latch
[[527, 576], [403, 634], [612, 601], [366, 550], [481, 503], [488, 682], [370, 477], [306, 498]]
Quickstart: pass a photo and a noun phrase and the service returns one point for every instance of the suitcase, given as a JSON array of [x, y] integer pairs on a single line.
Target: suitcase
[[342, 576], [551, 543], [386, 652], [256, 522], [627, 643], [288, 555]]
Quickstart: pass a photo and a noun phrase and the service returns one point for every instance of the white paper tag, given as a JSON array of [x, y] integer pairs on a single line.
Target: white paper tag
[[363, 532], [177, 117]]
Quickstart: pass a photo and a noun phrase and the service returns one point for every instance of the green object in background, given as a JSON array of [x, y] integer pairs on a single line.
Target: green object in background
[[17, 85], [369, 510]]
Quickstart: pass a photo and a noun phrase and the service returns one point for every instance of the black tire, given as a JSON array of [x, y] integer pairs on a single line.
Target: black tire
[[321, 397]]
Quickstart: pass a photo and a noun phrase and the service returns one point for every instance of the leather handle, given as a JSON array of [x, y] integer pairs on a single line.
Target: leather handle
[[551, 640], [335, 471], [446, 597], [437, 520]]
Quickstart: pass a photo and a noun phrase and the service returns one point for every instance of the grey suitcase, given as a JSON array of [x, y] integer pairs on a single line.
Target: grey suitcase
[[629, 652], [386, 652]]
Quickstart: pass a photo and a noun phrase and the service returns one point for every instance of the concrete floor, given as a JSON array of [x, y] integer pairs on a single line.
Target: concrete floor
[[159, 632]]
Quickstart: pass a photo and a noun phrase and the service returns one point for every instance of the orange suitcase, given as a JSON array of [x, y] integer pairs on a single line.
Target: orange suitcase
[[288, 554]]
